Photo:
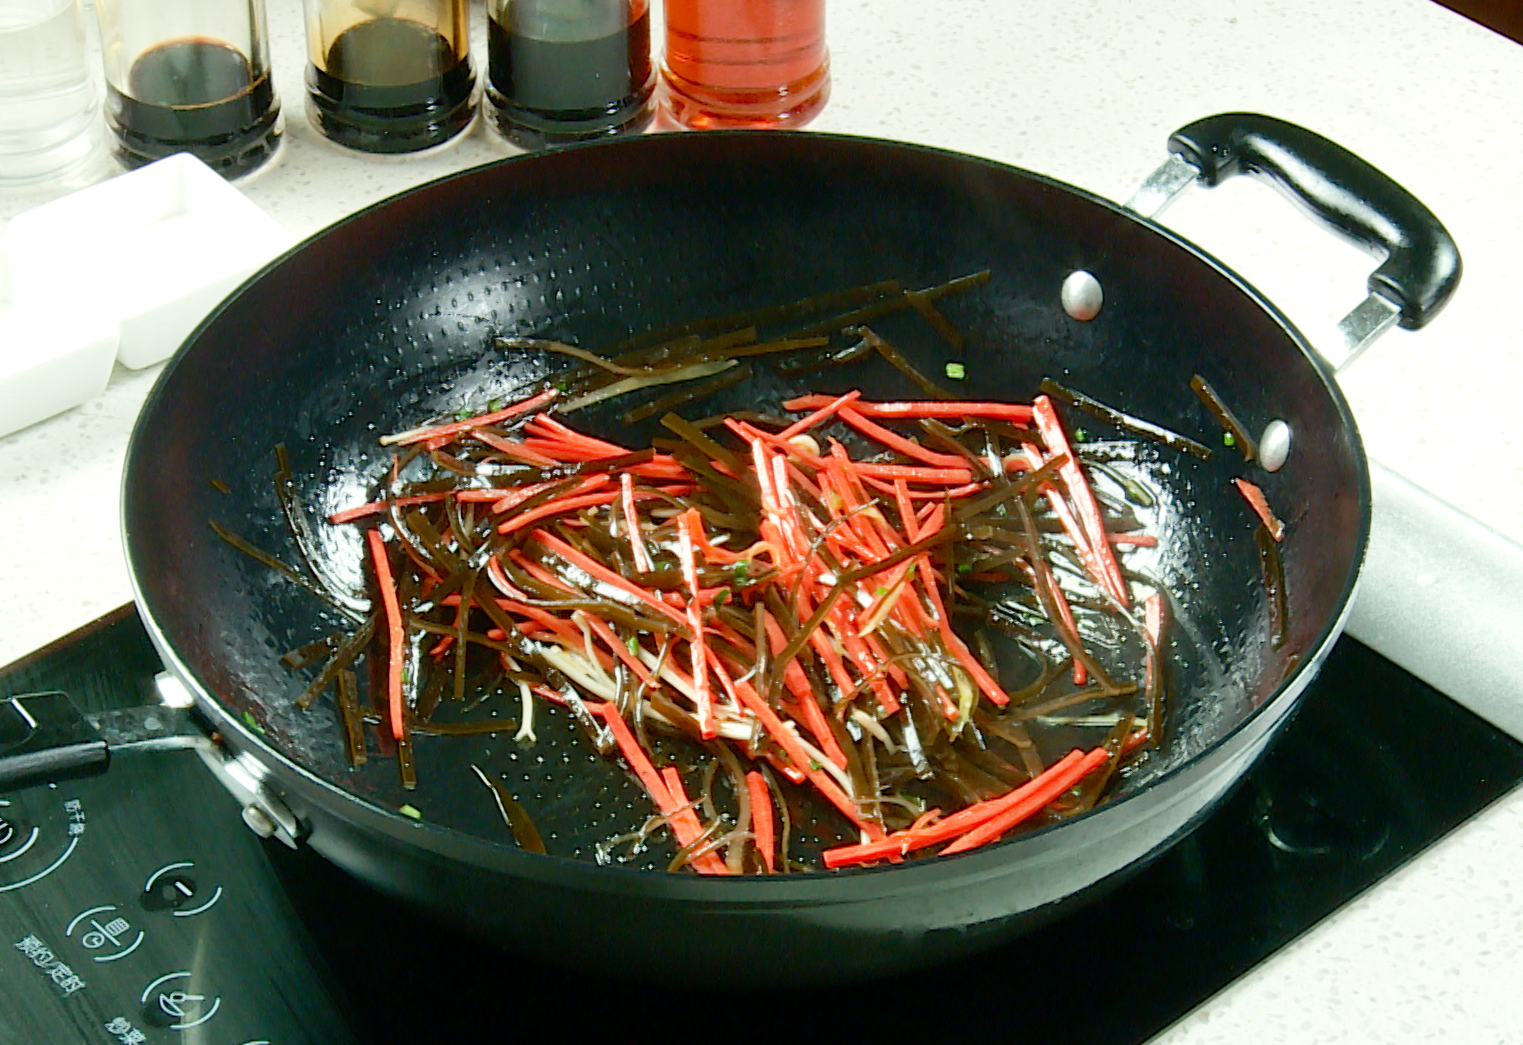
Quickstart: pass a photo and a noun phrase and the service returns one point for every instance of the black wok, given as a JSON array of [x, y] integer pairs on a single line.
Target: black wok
[[388, 318]]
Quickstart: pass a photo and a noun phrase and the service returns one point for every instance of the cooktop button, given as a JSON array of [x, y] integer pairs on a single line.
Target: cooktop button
[[176, 1001], [105, 933], [171, 888], [12, 834]]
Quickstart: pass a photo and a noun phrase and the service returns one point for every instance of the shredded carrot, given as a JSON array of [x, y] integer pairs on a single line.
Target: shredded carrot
[[1014, 412], [824, 413], [1046, 417], [761, 818], [1257, 501], [1053, 785], [947, 828], [395, 641], [419, 435], [380, 507], [685, 825], [632, 523], [894, 441], [701, 696]]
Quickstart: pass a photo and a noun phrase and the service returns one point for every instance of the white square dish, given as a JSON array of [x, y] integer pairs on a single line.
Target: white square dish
[[51, 360], [153, 250]]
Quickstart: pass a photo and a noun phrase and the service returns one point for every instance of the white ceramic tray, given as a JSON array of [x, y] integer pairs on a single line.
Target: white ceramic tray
[[50, 359], [153, 250]]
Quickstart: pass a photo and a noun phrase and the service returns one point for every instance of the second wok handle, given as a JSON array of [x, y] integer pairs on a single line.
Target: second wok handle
[[1422, 263]]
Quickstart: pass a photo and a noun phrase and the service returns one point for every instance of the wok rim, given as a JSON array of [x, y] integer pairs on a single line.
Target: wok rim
[[762, 891]]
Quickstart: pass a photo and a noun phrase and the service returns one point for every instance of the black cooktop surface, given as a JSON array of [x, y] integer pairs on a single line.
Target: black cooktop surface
[[244, 942]]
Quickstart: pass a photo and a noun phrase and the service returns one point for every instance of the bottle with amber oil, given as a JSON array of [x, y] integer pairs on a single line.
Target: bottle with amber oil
[[189, 76], [568, 70], [745, 63], [389, 76]]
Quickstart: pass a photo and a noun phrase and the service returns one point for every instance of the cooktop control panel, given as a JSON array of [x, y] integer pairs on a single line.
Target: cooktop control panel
[[135, 907]]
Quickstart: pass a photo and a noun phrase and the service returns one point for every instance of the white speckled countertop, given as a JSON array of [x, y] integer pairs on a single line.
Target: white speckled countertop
[[1086, 91]]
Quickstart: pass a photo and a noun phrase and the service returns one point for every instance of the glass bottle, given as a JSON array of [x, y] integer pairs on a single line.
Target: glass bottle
[[745, 63], [389, 76], [189, 76], [568, 70]]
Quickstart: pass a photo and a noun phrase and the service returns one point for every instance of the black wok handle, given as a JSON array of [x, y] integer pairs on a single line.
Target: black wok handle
[[1422, 265], [44, 737]]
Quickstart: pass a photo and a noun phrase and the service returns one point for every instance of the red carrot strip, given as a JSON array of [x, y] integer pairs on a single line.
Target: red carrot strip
[[632, 523], [555, 430], [1256, 500], [965, 490], [914, 473], [634, 755], [492, 494], [761, 818], [906, 509], [1015, 412], [926, 819], [419, 435], [1039, 799], [597, 570], [1135, 540], [895, 441], [702, 698], [507, 499], [822, 414], [557, 507], [533, 569], [1046, 418], [790, 745], [514, 449], [685, 824], [394, 636], [380, 507], [964, 820]]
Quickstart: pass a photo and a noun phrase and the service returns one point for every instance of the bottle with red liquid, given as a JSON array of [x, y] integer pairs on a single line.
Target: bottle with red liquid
[[745, 63]]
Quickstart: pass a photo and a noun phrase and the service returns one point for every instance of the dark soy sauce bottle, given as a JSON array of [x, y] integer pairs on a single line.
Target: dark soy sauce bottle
[[189, 77], [568, 70], [388, 76]]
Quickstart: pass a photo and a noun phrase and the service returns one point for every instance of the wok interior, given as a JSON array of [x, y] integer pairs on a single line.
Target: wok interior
[[387, 320]]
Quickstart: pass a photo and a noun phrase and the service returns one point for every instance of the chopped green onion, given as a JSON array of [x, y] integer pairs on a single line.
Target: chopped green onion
[[882, 591], [410, 811], [956, 371], [964, 567], [1228, 440], [252, 722]]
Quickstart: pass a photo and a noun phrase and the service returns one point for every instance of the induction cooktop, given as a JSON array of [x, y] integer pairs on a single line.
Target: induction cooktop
[[136, 907]]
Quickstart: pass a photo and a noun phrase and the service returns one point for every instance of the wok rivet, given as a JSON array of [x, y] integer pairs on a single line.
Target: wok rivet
[[1082, 296], [1274, 445]]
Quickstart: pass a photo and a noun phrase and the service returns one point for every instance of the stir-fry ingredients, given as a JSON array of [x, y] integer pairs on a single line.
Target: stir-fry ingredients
[[781, 600], [910, 624]]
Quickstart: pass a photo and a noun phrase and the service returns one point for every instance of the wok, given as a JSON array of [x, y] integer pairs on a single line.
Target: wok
[[388, 318]]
